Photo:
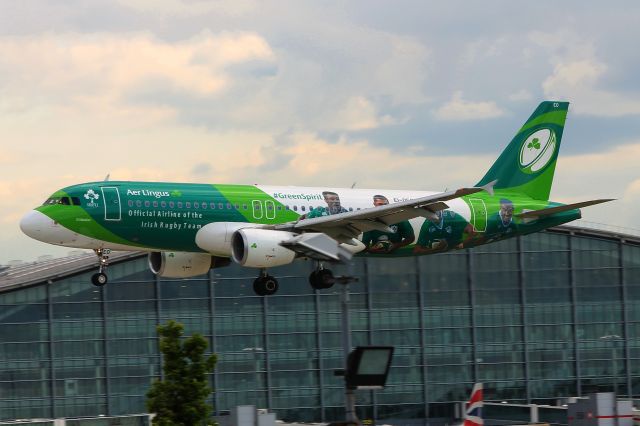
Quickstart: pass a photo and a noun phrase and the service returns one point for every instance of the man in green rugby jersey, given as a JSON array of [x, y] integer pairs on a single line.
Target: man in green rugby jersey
[[333, 206], [446, 229], [387, 242], [501, 224]]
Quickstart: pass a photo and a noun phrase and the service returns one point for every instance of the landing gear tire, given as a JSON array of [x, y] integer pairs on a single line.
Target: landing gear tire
[[265, 285], [321, 279], [99, 279]]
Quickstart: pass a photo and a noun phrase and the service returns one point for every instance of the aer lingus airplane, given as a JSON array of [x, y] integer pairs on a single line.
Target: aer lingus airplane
[[189, 228]]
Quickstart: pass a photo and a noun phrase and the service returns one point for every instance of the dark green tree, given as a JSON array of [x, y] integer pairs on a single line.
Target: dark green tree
[[179, 399]]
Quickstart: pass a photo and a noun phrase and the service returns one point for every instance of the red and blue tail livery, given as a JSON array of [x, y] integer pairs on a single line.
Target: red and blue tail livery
[[473, 414]]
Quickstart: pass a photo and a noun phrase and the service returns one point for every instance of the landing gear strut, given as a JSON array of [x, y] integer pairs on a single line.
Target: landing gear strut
[[265, 285], [101, 278], [321, 278]]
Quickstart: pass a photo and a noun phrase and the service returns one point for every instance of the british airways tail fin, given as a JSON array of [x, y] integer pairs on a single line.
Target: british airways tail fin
[[473, 414]]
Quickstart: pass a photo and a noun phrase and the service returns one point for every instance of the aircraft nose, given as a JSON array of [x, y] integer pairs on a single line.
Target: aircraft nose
[[35, 224]]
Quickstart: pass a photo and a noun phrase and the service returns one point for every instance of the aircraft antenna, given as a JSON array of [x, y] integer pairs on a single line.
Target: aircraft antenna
[[354, 185], [106, 178]]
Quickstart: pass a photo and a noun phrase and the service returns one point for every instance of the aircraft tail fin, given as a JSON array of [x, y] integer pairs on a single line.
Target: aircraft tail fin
[[528, 163], [473, 414]]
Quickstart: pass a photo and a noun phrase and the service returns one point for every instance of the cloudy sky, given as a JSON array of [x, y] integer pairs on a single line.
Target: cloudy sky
[[396, 94]]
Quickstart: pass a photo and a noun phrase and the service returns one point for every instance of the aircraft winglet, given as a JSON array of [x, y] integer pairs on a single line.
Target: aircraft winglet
[[489, 186]]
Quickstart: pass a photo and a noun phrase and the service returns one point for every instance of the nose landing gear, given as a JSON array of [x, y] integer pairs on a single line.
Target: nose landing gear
[[265, 285], [101, 278]]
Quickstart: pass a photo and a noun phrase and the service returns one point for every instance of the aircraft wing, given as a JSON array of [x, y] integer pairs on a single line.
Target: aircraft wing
[[345, 226]]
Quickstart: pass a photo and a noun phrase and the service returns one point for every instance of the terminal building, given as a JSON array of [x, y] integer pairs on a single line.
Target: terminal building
[[536, 319]]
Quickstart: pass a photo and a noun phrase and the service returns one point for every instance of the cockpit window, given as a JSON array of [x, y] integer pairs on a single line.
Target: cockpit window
[[65, 201]]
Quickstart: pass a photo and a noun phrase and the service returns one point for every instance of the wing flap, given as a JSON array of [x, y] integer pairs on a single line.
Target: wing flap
[[318, 246]]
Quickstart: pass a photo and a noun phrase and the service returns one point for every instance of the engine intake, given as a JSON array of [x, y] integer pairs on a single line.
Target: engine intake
[[179, 264], [260, 248]]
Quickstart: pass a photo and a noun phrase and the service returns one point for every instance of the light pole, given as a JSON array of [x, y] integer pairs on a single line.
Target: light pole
[[349, 394], [255, 351], [614, 339]]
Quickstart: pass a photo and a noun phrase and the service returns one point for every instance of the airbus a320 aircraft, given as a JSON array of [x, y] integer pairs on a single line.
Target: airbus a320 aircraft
[[189, 228]]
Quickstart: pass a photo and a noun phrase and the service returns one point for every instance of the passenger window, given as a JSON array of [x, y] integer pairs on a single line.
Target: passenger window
[[303, 208], [188, 204], [228, 206], [138, 203], [155, 204], [196, 205], [287, 207], [350, 209], [163, 204], [147, 204], [237, 206], [179, 204], [130, 203], [295, 208], [220, 206], [171, 204], [213, 206], [204, 206], [244, 207], [279, 207]]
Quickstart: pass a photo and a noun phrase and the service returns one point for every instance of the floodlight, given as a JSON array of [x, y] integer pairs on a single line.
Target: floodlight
[[368, 367]]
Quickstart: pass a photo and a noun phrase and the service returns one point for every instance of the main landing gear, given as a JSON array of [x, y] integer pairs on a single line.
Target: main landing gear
[[265, 285], [101, 278], [321, 278]]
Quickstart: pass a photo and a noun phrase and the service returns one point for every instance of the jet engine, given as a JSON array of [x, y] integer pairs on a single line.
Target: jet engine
[[260, 248], [215, 238], [170, 264]]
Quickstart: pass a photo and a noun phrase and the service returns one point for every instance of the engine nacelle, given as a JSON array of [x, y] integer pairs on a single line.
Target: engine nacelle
[[175, 264], [260, 248], [215, 238]]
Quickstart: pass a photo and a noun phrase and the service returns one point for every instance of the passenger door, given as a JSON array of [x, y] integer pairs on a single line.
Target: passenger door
[[111, 198]]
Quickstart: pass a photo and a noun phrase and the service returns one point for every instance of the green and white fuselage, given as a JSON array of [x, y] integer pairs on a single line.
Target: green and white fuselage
[[189, 228], [155, 216]]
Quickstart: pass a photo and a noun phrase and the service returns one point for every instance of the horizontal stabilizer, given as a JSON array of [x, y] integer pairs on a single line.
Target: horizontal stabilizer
[[533, 214], [318, 246]]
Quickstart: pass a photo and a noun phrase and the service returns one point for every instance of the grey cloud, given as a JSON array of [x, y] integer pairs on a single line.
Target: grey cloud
[[329, 53], [274, 154], [201, 169]]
